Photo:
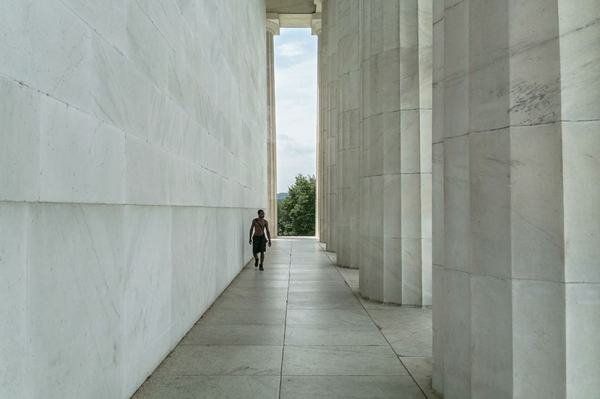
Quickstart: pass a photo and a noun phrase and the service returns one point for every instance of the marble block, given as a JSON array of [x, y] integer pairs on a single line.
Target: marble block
[[34, 51], [538, 249], [146, 47], [392, 270], [582, 307], [457, 334], [186, 277], [13, 299], [539, 338], [82, 158], [147, 299], [579, 52], [20, 109], [107, 19], [437, 316], [489, 165], [76, 301], [581, 179], [491, 336], [412, 271], [456, 32]]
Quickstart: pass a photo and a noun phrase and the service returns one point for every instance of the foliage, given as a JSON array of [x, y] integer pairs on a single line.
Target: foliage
[[296, 215]]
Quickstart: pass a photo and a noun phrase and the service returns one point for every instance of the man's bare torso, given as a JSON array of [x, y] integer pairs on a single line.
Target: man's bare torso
[[259, 226]]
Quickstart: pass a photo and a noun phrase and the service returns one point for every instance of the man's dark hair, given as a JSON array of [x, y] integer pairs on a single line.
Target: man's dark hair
[[260, 210]]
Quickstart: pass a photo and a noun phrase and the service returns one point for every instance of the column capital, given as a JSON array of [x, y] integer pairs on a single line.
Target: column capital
[[316, 25], [319, 4], [273, 23]]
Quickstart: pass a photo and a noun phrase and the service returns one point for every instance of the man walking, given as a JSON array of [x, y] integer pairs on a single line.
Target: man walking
[[259, 241]]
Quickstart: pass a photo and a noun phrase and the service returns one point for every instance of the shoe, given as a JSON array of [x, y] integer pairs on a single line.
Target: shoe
[[255, 262], [261, 268]]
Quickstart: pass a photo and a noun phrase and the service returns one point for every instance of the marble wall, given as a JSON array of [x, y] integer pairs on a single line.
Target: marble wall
[[133, 148], [516, 199]]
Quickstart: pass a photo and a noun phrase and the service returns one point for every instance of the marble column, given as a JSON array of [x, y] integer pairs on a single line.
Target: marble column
[[321, 215], [272, 30], [395, 204], [425, 82], [348, 138], [517, 281], [438, 311], [330, 32], [371, 148], [319, 188], [323, 71]]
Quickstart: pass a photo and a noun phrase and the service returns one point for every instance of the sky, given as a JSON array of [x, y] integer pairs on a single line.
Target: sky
[[296, 105]]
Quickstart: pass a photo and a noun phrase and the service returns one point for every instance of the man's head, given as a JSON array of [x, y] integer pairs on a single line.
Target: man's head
[[261, 213]]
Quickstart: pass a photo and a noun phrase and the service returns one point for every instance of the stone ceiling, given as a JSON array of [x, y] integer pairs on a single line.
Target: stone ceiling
[[291, 6]]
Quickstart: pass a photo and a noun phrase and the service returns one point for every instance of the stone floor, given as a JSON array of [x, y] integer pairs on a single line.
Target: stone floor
[[298, 330]]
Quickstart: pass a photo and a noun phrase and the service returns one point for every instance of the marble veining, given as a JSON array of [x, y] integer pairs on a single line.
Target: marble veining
[[129, 130]]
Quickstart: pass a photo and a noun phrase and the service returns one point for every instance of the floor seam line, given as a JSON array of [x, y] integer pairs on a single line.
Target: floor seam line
[[379, 329], [287, 297]]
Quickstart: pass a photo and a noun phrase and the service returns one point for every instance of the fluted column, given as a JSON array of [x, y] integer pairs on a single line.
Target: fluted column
[[319, 188], [323, 123], [330, 28], [518, 283], [272, 29], [371, 164], [321, 214], [348, 137], [439, 310], [395, 259], [425, 82]]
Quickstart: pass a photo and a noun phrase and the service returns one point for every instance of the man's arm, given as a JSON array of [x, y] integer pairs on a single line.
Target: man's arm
[[251, 228], [268, 232]]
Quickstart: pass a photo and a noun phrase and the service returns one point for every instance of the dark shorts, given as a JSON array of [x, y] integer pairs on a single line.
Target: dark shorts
[[259, 244]]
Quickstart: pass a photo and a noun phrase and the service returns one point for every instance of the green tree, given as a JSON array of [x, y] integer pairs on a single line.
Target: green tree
[[297, 212]]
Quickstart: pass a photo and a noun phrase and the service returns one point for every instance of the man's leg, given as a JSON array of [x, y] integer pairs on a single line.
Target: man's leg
[[255, 260], [262, 260]]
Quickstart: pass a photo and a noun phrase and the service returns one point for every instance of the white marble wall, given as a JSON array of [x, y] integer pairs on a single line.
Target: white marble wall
[[132, 148], [517, 293]]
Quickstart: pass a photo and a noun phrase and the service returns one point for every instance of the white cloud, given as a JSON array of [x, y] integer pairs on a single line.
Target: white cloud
[[296, 96], [291, 50]]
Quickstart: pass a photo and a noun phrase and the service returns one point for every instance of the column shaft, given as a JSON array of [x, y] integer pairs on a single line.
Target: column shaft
[[330, 15], [320, 148], [439, 307], [371, 166], [518, 281], [348, 138], [271, 137], [324, 128], [396, 152], [579, 49]]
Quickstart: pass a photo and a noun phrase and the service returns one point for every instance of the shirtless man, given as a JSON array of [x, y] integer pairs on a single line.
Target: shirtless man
[[259, 242]]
